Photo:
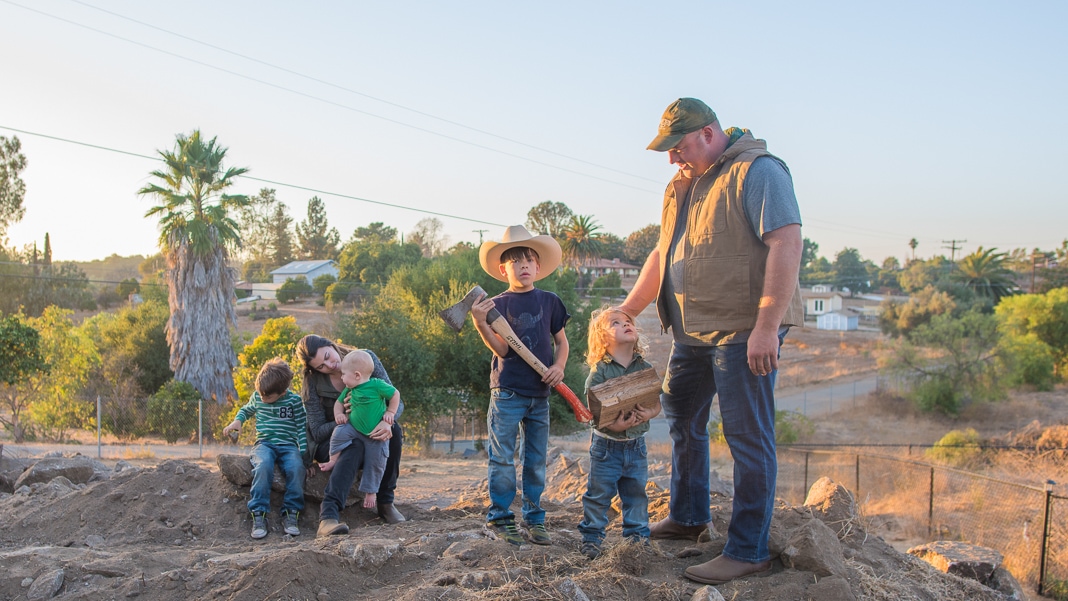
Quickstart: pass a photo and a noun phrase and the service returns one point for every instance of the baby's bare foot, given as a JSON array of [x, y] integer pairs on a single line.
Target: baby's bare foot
[[369, 500], [326, 467]]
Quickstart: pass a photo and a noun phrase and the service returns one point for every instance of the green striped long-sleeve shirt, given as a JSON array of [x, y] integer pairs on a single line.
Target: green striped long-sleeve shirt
[[281, 422]]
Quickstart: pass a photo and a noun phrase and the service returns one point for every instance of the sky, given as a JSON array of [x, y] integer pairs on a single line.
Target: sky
[[939, 121]]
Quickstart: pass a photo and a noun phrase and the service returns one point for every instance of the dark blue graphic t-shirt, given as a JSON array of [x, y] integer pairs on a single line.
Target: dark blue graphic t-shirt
[[535, 316]]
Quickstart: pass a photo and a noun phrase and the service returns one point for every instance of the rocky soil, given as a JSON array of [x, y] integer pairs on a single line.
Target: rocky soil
[[179, 530]]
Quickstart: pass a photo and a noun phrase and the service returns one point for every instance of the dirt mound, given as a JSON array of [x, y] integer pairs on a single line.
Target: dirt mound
[[179, 531]]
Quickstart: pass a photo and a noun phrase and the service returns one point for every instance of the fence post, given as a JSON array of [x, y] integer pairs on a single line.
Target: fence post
[[930, 505], [857, 477], [804, 489], [98, 450], [1045, 537], [200, 426]]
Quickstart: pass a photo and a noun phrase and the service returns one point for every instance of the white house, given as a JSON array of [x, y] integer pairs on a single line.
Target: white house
[[821, 302], [308, 270], [836, 321]]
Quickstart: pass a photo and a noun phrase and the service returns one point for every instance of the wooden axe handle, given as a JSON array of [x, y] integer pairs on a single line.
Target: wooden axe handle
[[500, 325]]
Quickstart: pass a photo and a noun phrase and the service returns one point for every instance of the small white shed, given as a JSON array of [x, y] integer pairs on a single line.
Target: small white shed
[[836, 321]]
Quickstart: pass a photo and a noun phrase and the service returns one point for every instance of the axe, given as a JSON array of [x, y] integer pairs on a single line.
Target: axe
[[456, 315]]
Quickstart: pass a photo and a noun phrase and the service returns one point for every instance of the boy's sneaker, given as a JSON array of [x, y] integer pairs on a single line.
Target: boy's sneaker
[[506, 530], [591, 550], [538, 534], [259, 525], [289, 523]]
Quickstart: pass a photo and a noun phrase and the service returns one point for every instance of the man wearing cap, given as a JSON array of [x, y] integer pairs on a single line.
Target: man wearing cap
[[724, 275]]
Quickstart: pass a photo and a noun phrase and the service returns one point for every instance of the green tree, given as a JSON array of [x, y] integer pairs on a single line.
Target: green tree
[[919, 274], [12, 188], [851, 272], [316, 240], [198, 235], [897, 319], [913, 243], [809, 252], [29, 285], [549, 218], [376, 232], [277, 339], [292, 289], [127, 287], [322, 282], [613, 247], [20, 359], [985, 272], [640, 243], [254, 223], [173, 410], [372, 258], [949, 361], [55, 407], [608, 285], [280, 236], [1041, 316]]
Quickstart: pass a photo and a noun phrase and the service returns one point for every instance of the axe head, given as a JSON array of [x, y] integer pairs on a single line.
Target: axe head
[[456, 315]]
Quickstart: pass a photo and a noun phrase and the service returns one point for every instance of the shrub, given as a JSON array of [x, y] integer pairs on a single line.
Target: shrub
[[1026, 360], [790, 427], [173, 410], [957, 448]]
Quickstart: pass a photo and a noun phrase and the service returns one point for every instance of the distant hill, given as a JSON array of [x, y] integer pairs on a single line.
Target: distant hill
[[112, 269]]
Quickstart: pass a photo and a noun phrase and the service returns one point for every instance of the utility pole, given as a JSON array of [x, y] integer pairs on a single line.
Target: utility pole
[[480, 232], [953, 248]]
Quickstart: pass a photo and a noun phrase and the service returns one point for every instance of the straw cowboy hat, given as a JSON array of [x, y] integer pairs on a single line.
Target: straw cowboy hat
[[547, 247]]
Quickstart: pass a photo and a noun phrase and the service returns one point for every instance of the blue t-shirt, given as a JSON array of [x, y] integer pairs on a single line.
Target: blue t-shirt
[[535, 316]]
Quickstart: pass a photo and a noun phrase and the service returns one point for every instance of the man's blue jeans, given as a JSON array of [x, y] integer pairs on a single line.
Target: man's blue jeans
[[508, 414], [264, 456], [621, 465], [747, 405]]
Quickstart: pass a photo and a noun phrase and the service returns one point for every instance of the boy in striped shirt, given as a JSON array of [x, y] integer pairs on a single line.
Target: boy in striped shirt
[[281, 437]]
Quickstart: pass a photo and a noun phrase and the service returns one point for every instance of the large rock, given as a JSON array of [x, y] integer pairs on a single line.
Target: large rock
[[961, 559], [237, 469], [814, 548], [834, 505], [79, 470], [10, 470]]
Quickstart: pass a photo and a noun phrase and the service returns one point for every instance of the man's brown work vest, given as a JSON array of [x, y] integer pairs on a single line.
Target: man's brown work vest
[[723, 272]]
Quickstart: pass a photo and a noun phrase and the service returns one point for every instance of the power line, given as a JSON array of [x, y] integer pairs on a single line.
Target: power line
[[363, 94], [325, 101], [953, 248], [259, 179]]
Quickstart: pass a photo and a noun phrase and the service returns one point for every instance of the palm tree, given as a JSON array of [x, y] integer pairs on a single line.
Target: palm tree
[[581, 242], [197, 238], [913, 243], [984, 271]]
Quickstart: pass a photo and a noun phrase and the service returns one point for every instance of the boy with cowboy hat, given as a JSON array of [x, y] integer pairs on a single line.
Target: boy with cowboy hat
[[519, 395]]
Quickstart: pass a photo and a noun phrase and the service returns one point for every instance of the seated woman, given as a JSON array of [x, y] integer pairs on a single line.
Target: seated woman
[[322, 385]]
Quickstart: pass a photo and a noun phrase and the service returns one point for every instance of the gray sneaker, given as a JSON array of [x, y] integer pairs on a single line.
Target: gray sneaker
[[289, 523], [259, 525]]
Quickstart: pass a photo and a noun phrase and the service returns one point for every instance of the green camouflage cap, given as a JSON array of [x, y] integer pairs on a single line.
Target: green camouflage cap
[[683, 116]]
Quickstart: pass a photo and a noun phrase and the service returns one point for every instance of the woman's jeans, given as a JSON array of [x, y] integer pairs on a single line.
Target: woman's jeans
[[695, 374], [510, 414], [344, 474], [264, 456], [616, 465]]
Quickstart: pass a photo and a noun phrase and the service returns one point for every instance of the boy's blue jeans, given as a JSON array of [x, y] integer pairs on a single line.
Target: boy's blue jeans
[[264, 456], [508, 414], [621, 465], [747, 405]]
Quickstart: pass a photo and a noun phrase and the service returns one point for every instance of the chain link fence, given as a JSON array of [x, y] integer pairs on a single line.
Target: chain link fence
[[909, 500]]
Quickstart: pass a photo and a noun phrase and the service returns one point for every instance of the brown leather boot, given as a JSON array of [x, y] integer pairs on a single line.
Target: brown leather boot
[[672, 530], [330, 527], [724, 569]]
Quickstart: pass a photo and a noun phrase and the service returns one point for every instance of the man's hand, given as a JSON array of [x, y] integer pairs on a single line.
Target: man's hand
[[763, 352]]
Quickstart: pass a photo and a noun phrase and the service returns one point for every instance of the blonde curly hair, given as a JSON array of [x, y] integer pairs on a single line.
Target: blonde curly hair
[[597, 347]]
